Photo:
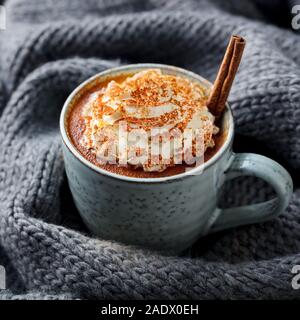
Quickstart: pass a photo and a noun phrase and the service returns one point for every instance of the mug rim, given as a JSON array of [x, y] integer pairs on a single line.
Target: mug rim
[[131, 67]]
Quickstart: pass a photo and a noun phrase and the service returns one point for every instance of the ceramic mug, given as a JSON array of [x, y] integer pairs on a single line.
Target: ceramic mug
[[168, 213]]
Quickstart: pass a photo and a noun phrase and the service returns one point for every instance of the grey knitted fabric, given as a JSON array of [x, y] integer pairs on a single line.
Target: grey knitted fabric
[[48, 48]]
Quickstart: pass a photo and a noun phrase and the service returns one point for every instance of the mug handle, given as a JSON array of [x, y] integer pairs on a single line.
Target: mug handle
[[249, 164]]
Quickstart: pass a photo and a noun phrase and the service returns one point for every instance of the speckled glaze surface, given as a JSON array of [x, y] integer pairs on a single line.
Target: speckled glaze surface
[[168, 213]]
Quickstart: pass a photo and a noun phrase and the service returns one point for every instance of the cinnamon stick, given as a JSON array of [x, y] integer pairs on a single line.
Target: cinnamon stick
[[229, 66]]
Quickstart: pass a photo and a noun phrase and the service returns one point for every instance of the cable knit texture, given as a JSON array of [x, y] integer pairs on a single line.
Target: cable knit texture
[[48, 48]]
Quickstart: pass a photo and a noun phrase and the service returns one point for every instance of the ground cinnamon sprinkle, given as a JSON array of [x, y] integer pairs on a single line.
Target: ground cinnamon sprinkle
[[147, 100]]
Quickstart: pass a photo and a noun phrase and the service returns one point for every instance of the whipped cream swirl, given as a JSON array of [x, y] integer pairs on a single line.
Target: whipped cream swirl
[[167, 108]]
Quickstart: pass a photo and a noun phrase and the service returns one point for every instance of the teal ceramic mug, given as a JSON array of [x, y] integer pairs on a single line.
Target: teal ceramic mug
[[168, 213]]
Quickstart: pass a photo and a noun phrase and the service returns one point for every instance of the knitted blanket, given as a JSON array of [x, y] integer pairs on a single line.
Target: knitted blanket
[[47, 49]]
